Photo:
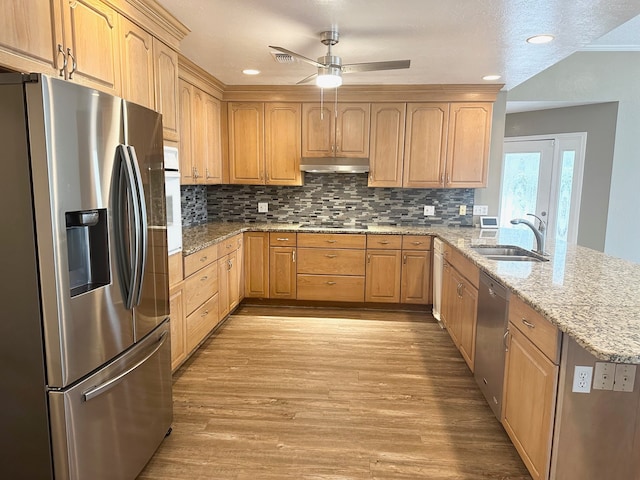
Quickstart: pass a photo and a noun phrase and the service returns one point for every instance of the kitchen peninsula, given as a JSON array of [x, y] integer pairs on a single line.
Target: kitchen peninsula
[[590, 301]]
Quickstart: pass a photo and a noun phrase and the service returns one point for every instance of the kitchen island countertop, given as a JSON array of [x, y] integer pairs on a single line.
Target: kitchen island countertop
[[591, 296]]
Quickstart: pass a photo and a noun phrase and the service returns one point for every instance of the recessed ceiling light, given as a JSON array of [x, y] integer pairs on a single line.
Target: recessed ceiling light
[[251, 71], [538, 39], [492, 77]]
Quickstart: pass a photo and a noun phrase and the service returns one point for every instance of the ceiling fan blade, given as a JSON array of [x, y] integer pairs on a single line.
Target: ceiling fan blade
[[297, 55], [373, 66], [307, 79]]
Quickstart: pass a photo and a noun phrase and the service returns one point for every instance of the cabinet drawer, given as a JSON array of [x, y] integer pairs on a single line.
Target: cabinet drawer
[[198, 260], [337, 288], [464, 266], [201, 322], [282, 239], [416, 242], [201, 286], [329, 261], [332, 240], [384, 242], [542, 333], [229, 245]]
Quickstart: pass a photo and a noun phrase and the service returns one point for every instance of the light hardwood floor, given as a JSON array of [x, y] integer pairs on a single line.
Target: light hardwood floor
[[331, 394]]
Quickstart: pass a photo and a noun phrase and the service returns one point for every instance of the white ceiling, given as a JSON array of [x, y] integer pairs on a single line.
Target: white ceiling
[[447, 41]]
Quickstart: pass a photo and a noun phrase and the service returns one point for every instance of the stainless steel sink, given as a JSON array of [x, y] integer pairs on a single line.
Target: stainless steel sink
[[508, 253]]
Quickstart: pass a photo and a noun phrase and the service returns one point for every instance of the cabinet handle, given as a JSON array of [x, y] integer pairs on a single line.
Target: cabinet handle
[[206, 312], [417, 243], [330, 256], [460, 287], [528, 323], [442, 178], [206, 277], [74, 65], [369, 258], [195, 173], [282, 239], [504, 340], [203, 259], [331, 283], [331, 241], [229, 245], [404, 259], [230, 263], [384, 242], [64, 60], [206, 173], [448, 178], [293, 256]]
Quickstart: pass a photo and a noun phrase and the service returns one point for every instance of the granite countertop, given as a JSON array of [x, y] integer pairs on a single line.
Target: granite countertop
[[593, 297]]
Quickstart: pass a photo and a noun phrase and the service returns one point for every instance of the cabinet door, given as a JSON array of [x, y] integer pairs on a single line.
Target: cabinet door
[[256, 264], [282, 143], [425, 145], [530, 387], [178, 333], [468, 145], [211, 168], [387, 144], [187, 166], [468, 316], [416, 277], [382, 278], [282, 272], [137, 64], [352, 130], [166, 88], [318, 130], [246, 143], [91, 30], [449, 310], [224, 295], [30, 34]]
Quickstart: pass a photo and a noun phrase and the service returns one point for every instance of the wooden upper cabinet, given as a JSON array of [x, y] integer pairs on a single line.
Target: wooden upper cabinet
[[282, 143], [387, 144], [352, 130], [137, 64], [327, 132], [198, 133], [468, 145], [246, 142], [91, 32], [425, 145], [166, 88], [30, 32], [211, 161], [187, 167], [318, 130]]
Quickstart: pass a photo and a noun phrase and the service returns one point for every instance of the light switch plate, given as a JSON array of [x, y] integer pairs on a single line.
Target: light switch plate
[[463, 209], [263, 207], [481, 209], [429, 210]]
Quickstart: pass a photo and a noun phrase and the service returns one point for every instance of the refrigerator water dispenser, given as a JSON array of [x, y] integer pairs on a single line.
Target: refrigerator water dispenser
[[87, 250]]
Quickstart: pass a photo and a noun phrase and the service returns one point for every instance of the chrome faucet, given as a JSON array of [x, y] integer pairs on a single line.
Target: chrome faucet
[[540, 233]]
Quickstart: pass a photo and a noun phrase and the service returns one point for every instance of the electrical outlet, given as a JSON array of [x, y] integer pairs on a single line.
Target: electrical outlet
[[604, 375], [582, 379], [463, 210], [429, 210], [481, 209], [625, 378], [263, 207]]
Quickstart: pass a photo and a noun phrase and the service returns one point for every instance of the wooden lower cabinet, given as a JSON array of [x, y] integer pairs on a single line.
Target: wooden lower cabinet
[[382, 277], [336, 288], [178, 325], [282, 272], [416, 278], [256, 265], [530, 388], [201, 321], [459, 311]]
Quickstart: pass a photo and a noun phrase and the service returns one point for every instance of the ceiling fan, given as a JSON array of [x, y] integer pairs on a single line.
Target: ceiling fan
[[330, 67]]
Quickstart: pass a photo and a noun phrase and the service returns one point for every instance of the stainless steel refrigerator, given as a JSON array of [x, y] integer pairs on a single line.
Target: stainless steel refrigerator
[[84, 331]]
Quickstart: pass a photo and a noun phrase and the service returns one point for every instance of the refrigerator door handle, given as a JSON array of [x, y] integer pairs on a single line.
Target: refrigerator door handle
[[141, 238], [109, 384]]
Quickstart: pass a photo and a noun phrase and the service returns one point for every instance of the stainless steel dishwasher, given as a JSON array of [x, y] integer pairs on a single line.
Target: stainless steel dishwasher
[[493, 306]]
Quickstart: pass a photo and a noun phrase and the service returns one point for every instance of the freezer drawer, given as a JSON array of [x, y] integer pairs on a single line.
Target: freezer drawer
[[109, 425]]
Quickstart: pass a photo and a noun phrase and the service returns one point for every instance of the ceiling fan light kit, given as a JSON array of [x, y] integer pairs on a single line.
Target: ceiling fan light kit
[[330, 67]]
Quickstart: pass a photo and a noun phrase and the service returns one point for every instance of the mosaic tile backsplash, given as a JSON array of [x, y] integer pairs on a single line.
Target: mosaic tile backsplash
[[325, 199]]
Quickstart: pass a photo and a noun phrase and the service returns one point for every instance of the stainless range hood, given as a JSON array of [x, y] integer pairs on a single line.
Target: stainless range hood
[[334, 165]]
